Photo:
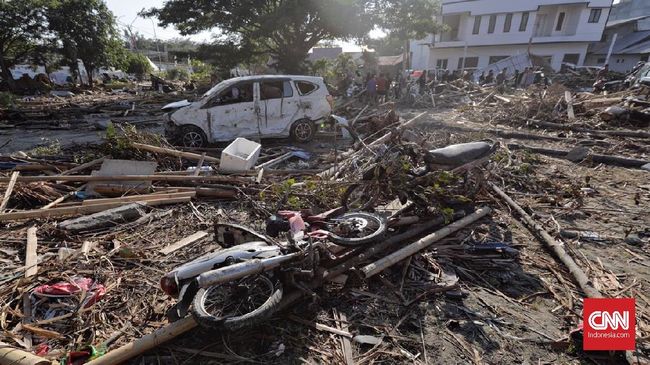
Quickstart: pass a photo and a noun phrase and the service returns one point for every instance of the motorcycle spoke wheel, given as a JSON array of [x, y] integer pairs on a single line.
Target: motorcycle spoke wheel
[[238, 297], [353, 229]]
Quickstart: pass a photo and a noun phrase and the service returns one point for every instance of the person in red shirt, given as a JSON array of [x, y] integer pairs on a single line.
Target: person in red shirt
[[382, 88]]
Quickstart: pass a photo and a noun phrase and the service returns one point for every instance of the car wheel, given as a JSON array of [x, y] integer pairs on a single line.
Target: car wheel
[[303, 130], [192, 136]]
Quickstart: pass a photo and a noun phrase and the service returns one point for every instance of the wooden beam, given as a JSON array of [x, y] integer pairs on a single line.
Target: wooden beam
[[569, 103], [58, 200], [86, 178], [84, 166], [183, 242], [137, 198], [65, 211], [169, 151], [31, 257], [10, 188]]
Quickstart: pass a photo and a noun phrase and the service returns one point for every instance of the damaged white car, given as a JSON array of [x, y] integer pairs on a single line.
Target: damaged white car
[[273, 106]]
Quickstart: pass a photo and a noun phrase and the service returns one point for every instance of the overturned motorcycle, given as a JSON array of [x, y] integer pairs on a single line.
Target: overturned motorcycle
[[244, 283]]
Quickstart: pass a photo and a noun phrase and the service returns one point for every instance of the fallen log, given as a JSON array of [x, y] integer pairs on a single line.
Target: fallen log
[[563, 127], [577, 273], [177, 153], [604, 159], [426, 241], [106, 218]]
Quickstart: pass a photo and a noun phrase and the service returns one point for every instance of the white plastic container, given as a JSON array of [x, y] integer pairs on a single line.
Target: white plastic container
[[240, 155]]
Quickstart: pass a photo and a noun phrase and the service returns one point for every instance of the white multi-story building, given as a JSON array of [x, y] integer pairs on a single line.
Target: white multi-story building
[[482, 32]]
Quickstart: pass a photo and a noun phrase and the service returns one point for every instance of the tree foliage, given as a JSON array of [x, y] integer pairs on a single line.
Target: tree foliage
[[87, 30], [284, 29], [138, 64], [23, 34], [287, 29]]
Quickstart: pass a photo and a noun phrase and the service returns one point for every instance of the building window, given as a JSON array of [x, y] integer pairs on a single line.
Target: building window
[[524, 21], [560, 21], [495, 59], [471, 62], [594, 16], [492, 24], [508, 23], [477, 24], [572, 58], [441, 64], [601, 60]]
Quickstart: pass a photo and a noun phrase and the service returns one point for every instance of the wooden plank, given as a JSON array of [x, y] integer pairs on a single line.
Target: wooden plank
[[199, 164], [320, 326], [31, 257], [59, 200], [275, 161], [569, 102], [65, 211], [183, 242], [168, 151], [10, 188], [85, 178], [137, 198], [346, 345], [84, 166]]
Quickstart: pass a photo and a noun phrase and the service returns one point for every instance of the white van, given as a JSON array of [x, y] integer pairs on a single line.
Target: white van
[[270, 106]]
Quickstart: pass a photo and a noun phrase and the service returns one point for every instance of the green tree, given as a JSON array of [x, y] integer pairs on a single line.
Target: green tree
[[87, 31], [23, 32], [406, 19], [284, 29], [138, 64]]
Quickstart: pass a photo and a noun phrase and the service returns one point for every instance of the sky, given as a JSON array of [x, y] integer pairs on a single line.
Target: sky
[[127, 11]]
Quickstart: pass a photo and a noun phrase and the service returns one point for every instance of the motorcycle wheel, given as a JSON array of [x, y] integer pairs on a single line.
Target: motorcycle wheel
[[240, 303], [356, 228]]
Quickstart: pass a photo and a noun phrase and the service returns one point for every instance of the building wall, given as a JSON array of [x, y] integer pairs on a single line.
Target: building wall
[[555, 52], [627, 9], [617, 63], [540, 32]]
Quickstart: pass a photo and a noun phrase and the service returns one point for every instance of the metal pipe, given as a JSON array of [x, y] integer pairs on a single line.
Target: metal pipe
[[242, 269]]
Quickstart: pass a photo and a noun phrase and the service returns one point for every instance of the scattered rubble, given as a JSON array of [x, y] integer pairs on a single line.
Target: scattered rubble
[[90, 230]]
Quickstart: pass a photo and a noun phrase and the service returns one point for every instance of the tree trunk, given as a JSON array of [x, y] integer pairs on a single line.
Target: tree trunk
[[6, 74], [81, 80], [90, 70]]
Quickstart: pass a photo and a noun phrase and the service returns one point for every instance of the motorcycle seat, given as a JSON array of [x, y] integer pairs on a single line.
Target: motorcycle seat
[[458, 154]]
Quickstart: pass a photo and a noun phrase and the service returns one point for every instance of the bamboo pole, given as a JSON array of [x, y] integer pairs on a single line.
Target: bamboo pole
[[424, 242], [84, 166], [168, 151], [579, 275], [12, 356], [10, 188], [146, 342]]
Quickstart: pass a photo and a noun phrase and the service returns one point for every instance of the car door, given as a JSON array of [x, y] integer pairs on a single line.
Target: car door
[[278, 106], [232, 112]]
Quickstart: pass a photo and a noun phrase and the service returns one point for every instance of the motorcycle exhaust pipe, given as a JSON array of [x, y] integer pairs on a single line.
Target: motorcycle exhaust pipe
[[242, 269]]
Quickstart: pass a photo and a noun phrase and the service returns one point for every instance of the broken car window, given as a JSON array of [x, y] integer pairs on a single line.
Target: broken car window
[[239, 93], [305, 87], [275, 90]]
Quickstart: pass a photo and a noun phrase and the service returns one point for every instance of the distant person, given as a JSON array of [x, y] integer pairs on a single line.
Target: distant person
[[501, 77], [382, 88], [481, 79], [371, 88], [422, 82], [489, 79], [602, 74], [516, 78], [467, 76]]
